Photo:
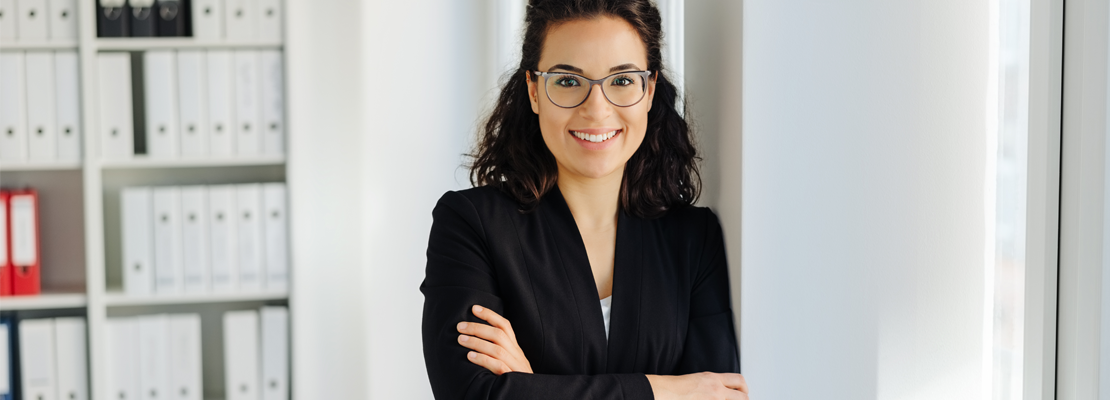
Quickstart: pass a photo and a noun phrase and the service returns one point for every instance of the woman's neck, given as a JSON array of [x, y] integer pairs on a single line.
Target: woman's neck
[[592, 201]]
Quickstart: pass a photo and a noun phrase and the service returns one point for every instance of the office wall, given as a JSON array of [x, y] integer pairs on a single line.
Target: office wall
[[423, 99], [328, 316], [862, 175], [384, 99]]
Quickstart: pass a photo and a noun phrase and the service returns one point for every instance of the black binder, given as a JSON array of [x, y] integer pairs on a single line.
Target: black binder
[[114, 19], [171, 17], [143, 18]]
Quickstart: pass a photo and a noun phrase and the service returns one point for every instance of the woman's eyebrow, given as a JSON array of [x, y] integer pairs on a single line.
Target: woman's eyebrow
[[577, 70], [570, 68], [623, 67]]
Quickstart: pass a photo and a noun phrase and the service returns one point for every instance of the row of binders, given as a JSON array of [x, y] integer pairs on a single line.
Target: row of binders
[[44, 359], [40, 113], [19, 243], [38, 20], [142, 18], [204, 239], [159, 356], [206, 20], [194, 104]]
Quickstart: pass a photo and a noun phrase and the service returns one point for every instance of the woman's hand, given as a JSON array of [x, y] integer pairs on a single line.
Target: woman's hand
[[494, 345], [699, 386]]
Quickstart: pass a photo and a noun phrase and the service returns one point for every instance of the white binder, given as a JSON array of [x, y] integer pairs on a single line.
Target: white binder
[[160, 87], [122, 372], [269, 20], [73, 370], [36, 359], [5, 359], [42, 141], [115, 124], [138, 247], [66, 73], [241, 362], [223, 235], [248, 212], [273, 102], [32, 24], [208, 20], [168, 273], [242, 20], [275, 353], [63, 19], [13, 108], [185, 357], [7, 21], [154, 356], [194, 238], [248, 138], [221, 103], [192, 103], [276, 234]]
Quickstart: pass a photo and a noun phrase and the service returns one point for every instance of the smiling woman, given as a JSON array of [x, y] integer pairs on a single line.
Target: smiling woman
[[585, 176]]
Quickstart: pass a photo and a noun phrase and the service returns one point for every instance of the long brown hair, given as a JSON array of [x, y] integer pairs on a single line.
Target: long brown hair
[[512, 156]]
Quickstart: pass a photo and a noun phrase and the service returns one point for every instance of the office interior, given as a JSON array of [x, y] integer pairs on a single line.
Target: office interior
[[915, 195]]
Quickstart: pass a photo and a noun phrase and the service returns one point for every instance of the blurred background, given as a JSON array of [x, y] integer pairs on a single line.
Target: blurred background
[[913, 192]]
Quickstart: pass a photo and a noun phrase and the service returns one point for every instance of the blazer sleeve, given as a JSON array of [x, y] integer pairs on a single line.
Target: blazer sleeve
[[711, 338], [459, 275]]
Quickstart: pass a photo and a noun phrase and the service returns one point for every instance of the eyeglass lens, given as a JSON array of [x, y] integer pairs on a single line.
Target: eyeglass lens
[[567, 90]]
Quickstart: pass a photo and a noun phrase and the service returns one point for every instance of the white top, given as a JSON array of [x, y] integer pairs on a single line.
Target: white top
[[606, 309]]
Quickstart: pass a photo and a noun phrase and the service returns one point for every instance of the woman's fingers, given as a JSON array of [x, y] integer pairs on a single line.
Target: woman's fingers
[[484, 331], [734, 381], [487, 362], [484, 347], [493, 318]]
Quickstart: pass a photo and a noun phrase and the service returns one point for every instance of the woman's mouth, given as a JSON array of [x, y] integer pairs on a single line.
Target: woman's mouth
[[597, 137]]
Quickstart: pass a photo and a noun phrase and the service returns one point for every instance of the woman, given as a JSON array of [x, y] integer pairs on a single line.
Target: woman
[[586, 175]]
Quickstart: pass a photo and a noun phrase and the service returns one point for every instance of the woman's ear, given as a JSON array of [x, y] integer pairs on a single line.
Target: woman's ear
[[651, 89], [532, 91]]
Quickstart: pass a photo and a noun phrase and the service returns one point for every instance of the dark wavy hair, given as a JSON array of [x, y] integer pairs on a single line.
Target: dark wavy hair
[[512, 156]]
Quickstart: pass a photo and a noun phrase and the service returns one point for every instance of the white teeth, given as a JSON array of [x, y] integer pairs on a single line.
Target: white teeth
[[595, 138]]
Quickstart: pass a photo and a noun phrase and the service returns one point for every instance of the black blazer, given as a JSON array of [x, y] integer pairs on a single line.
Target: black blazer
[[670, 310]]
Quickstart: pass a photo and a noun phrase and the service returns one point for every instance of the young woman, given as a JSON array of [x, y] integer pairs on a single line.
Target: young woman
[[581, 230]]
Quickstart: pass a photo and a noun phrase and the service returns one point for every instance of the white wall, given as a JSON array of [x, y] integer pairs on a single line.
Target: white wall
[[423, 95], [863, 177], [384, 100], [325, 177]]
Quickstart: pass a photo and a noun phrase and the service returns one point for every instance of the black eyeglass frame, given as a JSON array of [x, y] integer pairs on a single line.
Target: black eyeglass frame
[[646, 75]]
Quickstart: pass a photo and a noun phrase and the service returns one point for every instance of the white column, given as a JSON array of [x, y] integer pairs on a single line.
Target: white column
[[864, 180]]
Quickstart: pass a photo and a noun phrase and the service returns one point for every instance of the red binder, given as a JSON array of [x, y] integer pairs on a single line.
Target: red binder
[[5, 248], [23, 222]]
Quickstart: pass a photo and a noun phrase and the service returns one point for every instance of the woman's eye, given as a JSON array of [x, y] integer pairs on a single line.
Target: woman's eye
[[621, 81], [567, 82]]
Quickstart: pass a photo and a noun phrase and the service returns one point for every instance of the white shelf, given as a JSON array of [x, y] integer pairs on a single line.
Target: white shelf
[[140, 163], [39, 45], [120, 299], [40, 165], [171, 43], [43, 301]]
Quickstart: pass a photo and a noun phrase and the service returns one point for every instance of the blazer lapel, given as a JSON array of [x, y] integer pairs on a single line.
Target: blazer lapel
[[624, 321], [583, 296]]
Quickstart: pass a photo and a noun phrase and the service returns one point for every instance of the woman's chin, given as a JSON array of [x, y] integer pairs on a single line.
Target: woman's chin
[[596, 171]]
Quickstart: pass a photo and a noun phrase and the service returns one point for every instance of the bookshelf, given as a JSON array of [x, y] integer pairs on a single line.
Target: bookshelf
[[80, 218]]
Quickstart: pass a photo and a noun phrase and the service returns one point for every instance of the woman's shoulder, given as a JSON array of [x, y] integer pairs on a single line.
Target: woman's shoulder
[[690, 221], [482, 200]]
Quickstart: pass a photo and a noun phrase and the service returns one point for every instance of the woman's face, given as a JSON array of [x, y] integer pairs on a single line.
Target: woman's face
[[594, 48]]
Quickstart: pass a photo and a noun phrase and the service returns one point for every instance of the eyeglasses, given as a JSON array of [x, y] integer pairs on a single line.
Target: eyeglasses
[[623, 89]]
